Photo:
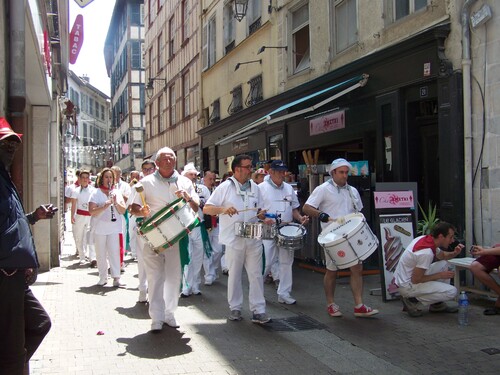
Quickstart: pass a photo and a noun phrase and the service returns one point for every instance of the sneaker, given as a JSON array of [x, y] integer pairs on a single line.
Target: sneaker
[[268, 279], [364, 311], [260, 318], [277, 284], [184, 295], [198, 293], [102, 282], [143, 297], [235, 315], [442, 307], [171, 322], [334, 310], [93, 264], [118, 284], [410, 305], [287, 300], [208, 282], [156, 326], [225, 272]]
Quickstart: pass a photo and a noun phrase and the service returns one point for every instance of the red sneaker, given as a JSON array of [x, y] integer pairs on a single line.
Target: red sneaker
[[364, 311], [334, 310]]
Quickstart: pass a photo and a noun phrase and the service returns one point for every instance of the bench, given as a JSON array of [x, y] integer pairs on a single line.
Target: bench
[[477, 287]]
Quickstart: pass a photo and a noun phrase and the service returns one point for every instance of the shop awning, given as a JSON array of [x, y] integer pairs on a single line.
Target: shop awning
[[273, 117]]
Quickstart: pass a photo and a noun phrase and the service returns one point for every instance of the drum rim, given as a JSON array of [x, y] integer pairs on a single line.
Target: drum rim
[[325, 231], [181, 235], [147, 227]]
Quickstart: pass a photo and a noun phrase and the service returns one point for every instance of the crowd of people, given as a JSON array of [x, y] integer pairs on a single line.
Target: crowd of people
[[103, 215]]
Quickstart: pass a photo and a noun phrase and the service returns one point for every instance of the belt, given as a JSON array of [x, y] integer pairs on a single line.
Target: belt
[[83, 213]]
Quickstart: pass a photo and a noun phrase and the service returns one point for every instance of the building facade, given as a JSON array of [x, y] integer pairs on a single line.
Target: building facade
[[123, 54]]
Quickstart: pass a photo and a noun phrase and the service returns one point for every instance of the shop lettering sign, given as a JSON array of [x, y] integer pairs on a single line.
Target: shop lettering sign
[[240, 144], [328, 123], [76, 39], [394, 199]]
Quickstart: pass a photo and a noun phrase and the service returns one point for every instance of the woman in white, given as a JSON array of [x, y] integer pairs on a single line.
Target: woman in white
[[106, 206]]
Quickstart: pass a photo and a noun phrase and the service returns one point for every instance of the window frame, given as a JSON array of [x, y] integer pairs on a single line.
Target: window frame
[[299, 66], [335, 5]]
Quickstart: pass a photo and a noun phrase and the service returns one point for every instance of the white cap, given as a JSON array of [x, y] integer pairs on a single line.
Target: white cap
[[189, 167], [339, 163]]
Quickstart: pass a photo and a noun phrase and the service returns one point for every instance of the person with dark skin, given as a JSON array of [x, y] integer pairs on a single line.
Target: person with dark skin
[[23, 321]]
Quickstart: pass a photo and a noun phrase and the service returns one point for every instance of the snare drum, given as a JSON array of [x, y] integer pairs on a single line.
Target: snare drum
[[169, 225], [347, 244], [291, 236], [258, 231]]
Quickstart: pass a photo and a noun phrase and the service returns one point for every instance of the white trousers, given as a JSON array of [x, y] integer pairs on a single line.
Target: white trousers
[[249, 258], [432, 291], [107, 250], [81, 229], [284, 258], [132, 232], [164, 279], [191, 275], [211, 264], [272, 263], [139, 245]]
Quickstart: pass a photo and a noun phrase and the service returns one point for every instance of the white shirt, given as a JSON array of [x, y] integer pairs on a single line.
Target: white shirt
[[204, 194], [82, 197], [410, 260], [336, 203], [124, 188], [102, 223], [279, 200], [229, 194]]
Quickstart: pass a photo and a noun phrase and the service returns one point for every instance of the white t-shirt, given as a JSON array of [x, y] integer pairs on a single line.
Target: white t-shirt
[[102, 223], [410, 260], [124, 188], [204, 194], [82, 197], [230, 194], [334, 201], [279, 200], [68, 190]]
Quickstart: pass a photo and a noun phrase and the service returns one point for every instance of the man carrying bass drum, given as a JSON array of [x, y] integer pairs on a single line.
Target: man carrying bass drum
[[333, 200]]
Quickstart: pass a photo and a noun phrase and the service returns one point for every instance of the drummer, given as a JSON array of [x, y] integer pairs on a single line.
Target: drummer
[[280, 200], [163, 271], [331, 201], [238, 199]]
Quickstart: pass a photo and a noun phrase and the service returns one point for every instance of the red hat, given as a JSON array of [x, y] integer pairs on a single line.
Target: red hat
[[6, 131]]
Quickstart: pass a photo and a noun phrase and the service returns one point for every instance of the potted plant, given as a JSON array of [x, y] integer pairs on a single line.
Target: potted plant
[[428, 221]]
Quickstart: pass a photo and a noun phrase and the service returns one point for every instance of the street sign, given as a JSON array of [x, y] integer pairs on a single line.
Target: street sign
[[83, 3], [76, 39]]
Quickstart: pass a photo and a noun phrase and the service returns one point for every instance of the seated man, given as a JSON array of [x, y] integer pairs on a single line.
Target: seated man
[[488, 260], [422, 281]]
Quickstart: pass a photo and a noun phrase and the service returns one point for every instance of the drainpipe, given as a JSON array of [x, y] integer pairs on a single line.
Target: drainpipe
[[17, 83], [467, 99]]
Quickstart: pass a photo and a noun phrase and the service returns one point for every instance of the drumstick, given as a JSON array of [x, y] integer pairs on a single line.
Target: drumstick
[[246, 209], [139, 188]]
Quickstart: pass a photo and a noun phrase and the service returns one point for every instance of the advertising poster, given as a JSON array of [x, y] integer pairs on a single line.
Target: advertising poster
[[396, 232]]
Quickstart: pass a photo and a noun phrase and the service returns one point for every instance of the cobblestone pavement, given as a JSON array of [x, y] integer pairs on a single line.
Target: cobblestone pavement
[[207, 343]]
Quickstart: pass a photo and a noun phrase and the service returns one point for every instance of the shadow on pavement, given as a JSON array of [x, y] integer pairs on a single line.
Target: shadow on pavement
[[97, 289], [138, 311], [168, 343]]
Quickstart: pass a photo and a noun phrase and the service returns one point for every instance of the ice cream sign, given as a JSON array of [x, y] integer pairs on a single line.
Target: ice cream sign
[[394, 199]]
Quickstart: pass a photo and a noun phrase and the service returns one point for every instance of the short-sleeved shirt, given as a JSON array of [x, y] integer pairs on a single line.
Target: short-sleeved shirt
[[229, 194], [102, 223], [82, 197], [411, 259], [204, 194], [279, 200]]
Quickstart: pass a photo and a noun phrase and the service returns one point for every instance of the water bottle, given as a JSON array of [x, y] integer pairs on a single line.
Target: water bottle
[[463, 309]]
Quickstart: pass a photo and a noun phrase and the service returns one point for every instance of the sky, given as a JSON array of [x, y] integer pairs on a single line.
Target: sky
[[90, 61]]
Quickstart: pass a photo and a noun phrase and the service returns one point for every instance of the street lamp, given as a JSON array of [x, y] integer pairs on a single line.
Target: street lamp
[[149, 86], [246, 62], [263, 48], [240, 9]]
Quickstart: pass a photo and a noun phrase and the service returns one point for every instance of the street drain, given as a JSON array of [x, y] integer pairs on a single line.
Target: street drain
[[293, 324], [491, 351]]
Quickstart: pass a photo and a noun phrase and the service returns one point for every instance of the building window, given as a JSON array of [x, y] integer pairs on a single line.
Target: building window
[[185, 94], [135, 50], [91, 106], [185, 20], [171, 95], [215, 115], [300, 39], [102, 112], [254, 14], [237, 102], [161, 52], [150, 63], [398, 9], [208, 44], [255, 92], [161, 109], [345, 25], [229, 27], [171, 33]]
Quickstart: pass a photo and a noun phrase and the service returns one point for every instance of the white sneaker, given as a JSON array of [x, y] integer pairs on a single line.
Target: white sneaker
[[118, 284], [156, 326], [171, 322], [143, 297], [208, 281], [287, 300]]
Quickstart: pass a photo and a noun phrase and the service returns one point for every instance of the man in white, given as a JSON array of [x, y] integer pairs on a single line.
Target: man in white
[[333, 200], [80, 218], [191, 272], [280, 200], [163, 270], [238, 199], [211, 263], [423, 282]]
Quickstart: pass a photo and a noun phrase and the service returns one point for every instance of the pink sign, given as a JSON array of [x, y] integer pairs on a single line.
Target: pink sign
[[394, 199], [76, 39], [325, 124]]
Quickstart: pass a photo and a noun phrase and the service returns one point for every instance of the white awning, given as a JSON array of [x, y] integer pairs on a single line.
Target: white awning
[[269, 119]]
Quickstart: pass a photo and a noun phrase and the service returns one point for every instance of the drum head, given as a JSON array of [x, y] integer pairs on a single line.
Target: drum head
[[291, 230], [161, 216], [336, 232]]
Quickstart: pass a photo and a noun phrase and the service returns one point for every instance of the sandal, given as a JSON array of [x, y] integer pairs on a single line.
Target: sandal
[[492, 311]]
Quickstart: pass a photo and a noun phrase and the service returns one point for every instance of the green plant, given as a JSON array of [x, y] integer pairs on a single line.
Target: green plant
[[425, 225]]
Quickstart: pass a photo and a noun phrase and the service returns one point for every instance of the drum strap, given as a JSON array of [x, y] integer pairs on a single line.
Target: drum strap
[[348, 188]]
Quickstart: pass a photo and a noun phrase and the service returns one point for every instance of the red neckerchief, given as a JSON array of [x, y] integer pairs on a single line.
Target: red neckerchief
[[426, 242], [105, 189]]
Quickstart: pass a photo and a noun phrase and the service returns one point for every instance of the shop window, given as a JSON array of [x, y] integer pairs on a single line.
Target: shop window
[[345, 25], [276, 147], [215, 115], [229, 27], [237, 102], [300, 39], [398, 9], [255, 92]]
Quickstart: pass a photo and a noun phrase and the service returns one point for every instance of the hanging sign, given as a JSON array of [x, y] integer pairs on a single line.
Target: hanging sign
[[83, 3], [76, 39], [328, 123]]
